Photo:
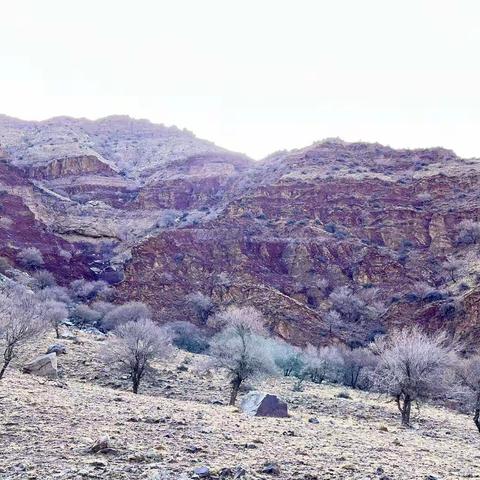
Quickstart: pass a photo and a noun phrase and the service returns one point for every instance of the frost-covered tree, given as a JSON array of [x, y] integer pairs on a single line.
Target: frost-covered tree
[[133, 348], [55, 314], [411, 367], [21, 321], [241, 347]]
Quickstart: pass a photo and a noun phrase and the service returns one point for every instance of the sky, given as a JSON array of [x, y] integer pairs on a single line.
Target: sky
[[254, 76]]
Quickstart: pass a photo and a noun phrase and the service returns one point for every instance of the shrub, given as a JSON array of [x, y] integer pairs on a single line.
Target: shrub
[[468, 232], [83, 315], [58, 294], [347, 303], [85, 290], [43, 279], [30, 257], [4, 265], [201, 305], [187, 336], [131, 311]]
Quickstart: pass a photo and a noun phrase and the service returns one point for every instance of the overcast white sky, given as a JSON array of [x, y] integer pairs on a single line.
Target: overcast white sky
[[254, 76]]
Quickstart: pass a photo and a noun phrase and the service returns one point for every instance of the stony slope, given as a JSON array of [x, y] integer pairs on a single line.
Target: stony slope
[[179, 423], [169, 214]]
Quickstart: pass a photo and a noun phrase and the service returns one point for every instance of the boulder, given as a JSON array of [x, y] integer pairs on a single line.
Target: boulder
[[262, 404], [44, 365], [57, 348]]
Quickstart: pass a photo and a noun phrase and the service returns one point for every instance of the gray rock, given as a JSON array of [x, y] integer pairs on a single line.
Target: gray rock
[[202, 472], [271, 469], [314, 420], [262, 404], [44, 365], [57, 348]]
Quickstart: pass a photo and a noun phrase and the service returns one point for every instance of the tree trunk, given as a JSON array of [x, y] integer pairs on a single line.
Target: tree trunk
[[135, 384], [57, 331], [236, 382], [4, 367], [406, 409], [476, 418]]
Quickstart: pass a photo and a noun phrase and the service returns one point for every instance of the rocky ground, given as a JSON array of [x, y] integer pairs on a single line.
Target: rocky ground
[[181, 422]]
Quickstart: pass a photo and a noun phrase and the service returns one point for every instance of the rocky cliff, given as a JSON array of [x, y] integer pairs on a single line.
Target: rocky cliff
[[173, 214]]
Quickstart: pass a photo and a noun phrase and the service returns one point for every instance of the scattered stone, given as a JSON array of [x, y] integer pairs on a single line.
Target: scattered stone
[[431, 477], [44, 366], [343, 394], [202, 472], [383, 428], [314, 420], [193, 449], [271, 469], [57, 348], [102, 445], [262, 404]]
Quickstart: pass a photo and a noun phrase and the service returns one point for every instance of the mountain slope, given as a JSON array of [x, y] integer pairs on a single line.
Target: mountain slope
[[171, 214]]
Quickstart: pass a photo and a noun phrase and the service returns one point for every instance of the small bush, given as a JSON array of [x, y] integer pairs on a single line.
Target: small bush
[[85, 316], [44, 279], [30, 257], [187, 336], [128, 312]]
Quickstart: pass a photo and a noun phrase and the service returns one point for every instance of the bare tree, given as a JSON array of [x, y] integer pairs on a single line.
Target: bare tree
[[133, 348], [21, 321], [201, 305], [411, 367], [288, 358], [358, 363], [30, 257], [324, 363], [55, 314], [453, 267], [241, 347], [468, 371], [333, 320]]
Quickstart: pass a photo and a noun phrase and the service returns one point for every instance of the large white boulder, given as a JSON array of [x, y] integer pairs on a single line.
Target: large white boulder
[[261, 404], [44, 365]]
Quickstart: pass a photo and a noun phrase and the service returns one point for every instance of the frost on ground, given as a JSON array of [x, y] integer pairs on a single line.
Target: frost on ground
[[181, 423]]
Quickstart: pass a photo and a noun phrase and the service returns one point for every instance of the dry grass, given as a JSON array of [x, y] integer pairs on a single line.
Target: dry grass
[[46, 425]]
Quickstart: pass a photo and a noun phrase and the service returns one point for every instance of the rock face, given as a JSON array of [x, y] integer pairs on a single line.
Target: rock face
[[161, 214], [260, 404], [44, 366]]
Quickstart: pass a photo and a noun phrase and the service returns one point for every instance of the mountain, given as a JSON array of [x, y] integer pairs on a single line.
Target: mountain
[[160, 214]]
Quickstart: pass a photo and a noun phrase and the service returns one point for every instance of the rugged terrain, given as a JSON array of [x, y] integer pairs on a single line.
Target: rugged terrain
[[181, 422], [160, 214]]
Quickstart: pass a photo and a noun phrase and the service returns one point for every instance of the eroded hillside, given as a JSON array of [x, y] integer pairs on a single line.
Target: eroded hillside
[[161, 214]]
